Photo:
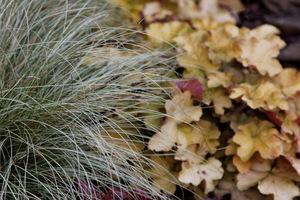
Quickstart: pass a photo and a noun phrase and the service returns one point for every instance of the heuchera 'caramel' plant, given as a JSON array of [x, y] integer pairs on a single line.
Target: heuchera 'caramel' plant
[[247, 135]]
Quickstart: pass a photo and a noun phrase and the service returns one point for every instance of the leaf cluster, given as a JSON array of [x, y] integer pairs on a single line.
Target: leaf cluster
[[233, 95]]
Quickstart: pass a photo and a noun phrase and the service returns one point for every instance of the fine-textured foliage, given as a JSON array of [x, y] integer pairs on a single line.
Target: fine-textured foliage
[[65, 110]]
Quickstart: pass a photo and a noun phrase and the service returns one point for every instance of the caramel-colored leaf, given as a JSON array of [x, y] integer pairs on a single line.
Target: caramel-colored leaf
[[163, 174], [196, 58], [281, 188], [165, 32], [181, 108], [196, 173], [154, 11], [257, 135], [258, 172], [216, 79], [219, 98], [290, 81], [164, 140], [266, 95], [260, 54]]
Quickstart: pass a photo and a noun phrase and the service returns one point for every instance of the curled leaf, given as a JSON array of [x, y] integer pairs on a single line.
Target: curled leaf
[[165, 32], [222, 43], [181, 108], [211, 9], [154, 11], [266, 95], [197, 140], [164, 140], [280, 187], [226, 187], [216, 79], [260, 54], [257, 135], [193, 154], [196, 57], [258, 172], [290, 81], [196, 173], [219, 98]]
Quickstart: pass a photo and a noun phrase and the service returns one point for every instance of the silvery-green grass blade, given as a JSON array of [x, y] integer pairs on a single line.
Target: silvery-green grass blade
[[57, 114]]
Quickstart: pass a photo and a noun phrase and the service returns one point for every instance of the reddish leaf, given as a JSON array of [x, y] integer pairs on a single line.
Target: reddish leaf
[[298, 120], [192, 85], [117, 193], [88, 189], [272, 116]]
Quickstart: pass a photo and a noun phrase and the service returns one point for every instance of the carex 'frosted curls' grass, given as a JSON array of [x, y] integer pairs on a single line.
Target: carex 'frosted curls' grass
[[71, 119]]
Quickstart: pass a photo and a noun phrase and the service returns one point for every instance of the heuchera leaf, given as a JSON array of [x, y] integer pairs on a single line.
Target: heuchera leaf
[[276, 180], [267, 32], [266, 95], [242, 167], [216, 79], [289, 123], [196, 173], [261, 55], [295, 162], [192, 85], [164, 140], [181, 108], [165, 32], [196, 57], [196, 140], [290, 81], [287, 120], [117, 193], [222, 43], [132, 7], [226, 187], [257, 135], [193, 154], [203, 132], [211, 9], [221, 100], [281, 188], [163, 173], [205, 24], [153, 11], [88, 189], [280, 181], [258, 172]]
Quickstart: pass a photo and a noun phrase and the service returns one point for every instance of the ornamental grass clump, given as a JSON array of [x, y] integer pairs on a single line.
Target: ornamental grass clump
[[75, 89]]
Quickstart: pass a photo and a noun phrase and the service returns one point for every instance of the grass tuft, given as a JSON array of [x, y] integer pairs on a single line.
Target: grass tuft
[[71, 120]]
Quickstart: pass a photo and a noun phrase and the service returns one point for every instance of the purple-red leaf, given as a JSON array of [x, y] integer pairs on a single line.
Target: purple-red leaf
[[192, 85]]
